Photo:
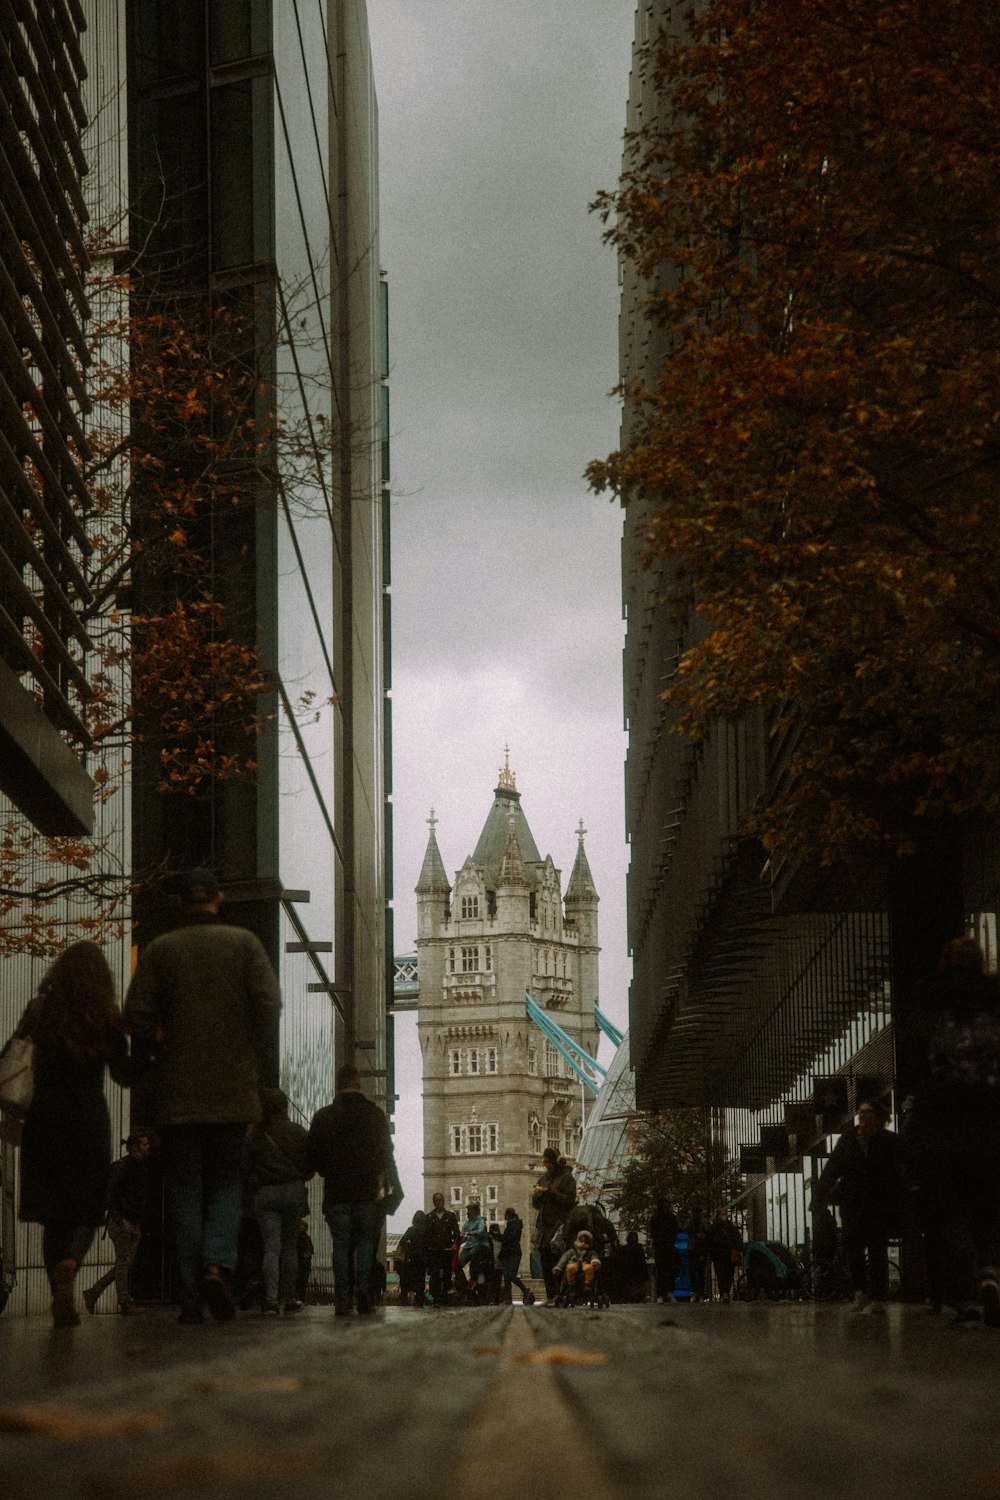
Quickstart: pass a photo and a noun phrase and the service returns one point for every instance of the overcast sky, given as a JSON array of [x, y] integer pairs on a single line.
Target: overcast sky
[[499, 121]]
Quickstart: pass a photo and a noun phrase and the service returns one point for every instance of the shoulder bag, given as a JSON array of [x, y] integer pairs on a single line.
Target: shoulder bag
[[17, 1076]]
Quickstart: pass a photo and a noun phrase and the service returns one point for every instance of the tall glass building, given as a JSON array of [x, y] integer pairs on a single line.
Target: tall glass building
[[232, 152]]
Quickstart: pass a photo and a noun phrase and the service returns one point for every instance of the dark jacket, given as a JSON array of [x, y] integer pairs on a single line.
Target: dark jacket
[[865, 1181], [664, 1227], [204, 1001], [349, 1146], [66, 1143], [723, 1239], [414, 1242], [510, 1239], [554, 1196], [441, 1233], [952, 1063], [127, 1189], [277, 1150]]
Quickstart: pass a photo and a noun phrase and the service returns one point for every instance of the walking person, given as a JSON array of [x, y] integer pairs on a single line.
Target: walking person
[[554, 1197], [410, 1259], [952, 1138], [78, 1031], [633, 1274], [863, 1176], [725, 1249], [442, 1232], [509, 1257], [277, 1172], [350, 1147], [204, 1003], [663, 1231], [696, 1228], [127, 1191]]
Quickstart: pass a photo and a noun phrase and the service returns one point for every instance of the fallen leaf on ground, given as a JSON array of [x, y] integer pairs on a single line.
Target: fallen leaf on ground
[[560, 1354], [986, 1483], [281, 1384], [64, 1422], [487, 1349]]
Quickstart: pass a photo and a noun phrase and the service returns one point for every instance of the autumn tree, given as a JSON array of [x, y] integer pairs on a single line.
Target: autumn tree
[[669, 1158], [813, 212]]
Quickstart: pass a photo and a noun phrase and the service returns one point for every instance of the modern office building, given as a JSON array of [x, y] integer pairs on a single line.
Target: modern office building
[[773, 998], [43, 400], [497, 1090], [232, 147]]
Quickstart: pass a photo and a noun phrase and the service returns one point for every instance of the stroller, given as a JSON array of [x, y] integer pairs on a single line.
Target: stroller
[[770, 1270], [580, 1277]]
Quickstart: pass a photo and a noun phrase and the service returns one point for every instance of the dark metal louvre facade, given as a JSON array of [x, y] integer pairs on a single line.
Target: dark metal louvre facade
[[43, 357]]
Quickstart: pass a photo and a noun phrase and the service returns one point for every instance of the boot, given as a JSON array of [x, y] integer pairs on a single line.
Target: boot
[[64, 1313]]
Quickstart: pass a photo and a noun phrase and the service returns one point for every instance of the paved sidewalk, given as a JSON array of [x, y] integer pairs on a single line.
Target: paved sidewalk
[[749, 1402]]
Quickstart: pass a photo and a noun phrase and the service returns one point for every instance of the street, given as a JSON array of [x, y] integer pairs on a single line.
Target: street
[[756, 1401]]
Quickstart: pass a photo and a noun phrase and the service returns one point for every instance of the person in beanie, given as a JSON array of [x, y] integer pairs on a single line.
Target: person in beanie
[[204, 1004], [350, 1147]]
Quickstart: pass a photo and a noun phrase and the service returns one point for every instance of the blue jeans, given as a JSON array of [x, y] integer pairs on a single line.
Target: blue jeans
[[354, 1229], [203, 1191], [280, 1206]]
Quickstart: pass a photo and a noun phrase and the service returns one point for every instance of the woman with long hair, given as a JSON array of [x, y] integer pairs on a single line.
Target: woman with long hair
[[77, 1028]]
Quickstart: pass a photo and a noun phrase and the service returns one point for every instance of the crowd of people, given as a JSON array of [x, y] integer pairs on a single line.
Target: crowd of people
[[200, 1014]]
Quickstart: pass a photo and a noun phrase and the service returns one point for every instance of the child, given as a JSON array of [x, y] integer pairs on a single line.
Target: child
[[579, 1265]]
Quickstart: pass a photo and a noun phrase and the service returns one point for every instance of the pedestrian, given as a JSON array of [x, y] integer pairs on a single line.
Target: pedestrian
[[277, 1174], [204, 1002], [952, 1136], [77, 1030], [696, 1228], [442, 1234], [127, 1190], [305, 1250], [863, 1177], [725, 1248], [554, 1197], [663, 1231], [509, 1257], [410, 1259], [633, 1276], [351, 1149]]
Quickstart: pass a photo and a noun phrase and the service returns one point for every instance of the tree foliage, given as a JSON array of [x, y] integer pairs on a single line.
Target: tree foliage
[[669, 1159], [813, 211]]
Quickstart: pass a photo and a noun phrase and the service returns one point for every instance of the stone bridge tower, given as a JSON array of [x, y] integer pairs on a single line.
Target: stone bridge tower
[[496, 1093]]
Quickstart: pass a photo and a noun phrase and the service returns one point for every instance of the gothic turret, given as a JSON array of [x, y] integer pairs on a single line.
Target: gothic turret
[[580, 905], [433, 888]]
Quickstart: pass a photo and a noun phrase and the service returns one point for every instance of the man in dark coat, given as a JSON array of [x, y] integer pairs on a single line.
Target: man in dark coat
[[863, 1176], [204, 1002], [554, 1197], [350, 1147], [442, 1232]]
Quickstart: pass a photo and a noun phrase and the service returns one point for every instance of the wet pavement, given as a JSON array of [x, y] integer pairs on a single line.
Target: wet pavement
[[747, 1401]]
